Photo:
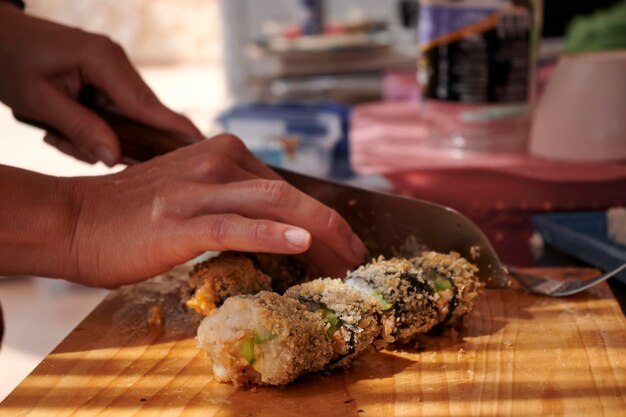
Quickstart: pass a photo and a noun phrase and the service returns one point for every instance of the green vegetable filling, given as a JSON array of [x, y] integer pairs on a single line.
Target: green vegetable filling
[[442, 284], [330, 317], [247, 349], [246, 346], [384, 304]]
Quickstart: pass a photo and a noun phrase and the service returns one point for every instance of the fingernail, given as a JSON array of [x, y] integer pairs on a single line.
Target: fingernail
[[298, 237], [105, 155], [358, 250]]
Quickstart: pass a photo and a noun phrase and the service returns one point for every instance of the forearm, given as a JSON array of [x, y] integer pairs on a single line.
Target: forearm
[[36, 223]]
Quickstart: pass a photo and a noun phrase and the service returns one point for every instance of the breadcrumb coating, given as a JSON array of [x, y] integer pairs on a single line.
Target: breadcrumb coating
[[404, 289], [463, 276], [359, 316], [228, 274]]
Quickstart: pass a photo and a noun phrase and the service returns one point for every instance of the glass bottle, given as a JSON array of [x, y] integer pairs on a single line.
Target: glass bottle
[[476, 70]]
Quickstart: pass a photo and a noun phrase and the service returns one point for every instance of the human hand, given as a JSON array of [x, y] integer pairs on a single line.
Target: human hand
[[44, 68], [213, 195]]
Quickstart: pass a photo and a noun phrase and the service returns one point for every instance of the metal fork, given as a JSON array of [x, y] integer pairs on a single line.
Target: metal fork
[[553, 288]]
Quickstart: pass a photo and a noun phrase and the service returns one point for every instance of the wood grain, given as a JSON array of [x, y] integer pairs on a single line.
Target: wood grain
[[518, 355]]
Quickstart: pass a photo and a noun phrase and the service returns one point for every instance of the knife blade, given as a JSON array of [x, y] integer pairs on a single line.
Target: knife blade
[[388, 224]]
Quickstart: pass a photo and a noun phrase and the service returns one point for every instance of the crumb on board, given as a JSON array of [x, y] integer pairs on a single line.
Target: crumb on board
[[352, 202], [156, 317], [474, 252]]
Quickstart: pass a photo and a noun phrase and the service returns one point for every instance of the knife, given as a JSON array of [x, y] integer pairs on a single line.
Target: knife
[[390, 225]]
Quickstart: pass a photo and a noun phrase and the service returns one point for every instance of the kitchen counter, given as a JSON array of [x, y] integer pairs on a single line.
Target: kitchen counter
[[40, 312]]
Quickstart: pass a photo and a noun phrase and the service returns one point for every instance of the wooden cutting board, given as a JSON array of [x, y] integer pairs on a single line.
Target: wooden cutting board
[[519, 355]]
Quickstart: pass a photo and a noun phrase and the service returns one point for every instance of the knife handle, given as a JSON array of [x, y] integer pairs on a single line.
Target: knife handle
[[138, 141]]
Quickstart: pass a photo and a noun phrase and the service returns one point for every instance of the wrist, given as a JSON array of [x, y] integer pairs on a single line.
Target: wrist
[[37, 224], [69, 204]]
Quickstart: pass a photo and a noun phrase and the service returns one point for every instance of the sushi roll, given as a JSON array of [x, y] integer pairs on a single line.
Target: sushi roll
[[269, 339], [213, 281], [453, 282], [234, 273], [264, 339], [404, 295], [285, 270], [353, 319]]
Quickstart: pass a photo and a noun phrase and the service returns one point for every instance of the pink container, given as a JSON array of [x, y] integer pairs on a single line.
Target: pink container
[[498, 191]]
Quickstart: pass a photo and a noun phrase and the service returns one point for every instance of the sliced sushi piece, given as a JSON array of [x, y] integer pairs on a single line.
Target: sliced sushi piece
[[213, 281], [353, 319], [454, 284], [404, 295], [264, 339]]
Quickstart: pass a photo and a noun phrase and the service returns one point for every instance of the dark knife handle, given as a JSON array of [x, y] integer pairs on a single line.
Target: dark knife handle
[[138, 141]]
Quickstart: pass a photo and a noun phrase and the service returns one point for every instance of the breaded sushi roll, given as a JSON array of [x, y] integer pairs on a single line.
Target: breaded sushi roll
[[213, 281], [403, 294], [264, 339], [352, 318], [453, 281], [285, 270]]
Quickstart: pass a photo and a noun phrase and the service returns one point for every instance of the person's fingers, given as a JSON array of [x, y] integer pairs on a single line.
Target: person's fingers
[[213, 154], [67, 148], [188, 199], [279, 201], [89, 133], [108, 68], [209, 167], [234, 232], [326, 262], [234, 148]]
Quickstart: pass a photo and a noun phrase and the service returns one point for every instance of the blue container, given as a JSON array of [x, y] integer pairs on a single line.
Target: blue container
[[308, 138], [582, 235]]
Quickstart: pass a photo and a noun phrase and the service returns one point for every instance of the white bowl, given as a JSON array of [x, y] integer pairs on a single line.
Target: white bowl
[[582, 114]]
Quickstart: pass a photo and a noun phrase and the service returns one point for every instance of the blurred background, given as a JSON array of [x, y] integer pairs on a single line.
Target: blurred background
[[506, 111], [334, 89]]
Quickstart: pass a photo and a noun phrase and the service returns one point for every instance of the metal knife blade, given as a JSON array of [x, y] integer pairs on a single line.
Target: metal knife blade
[[395, 225], [388, 224]]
